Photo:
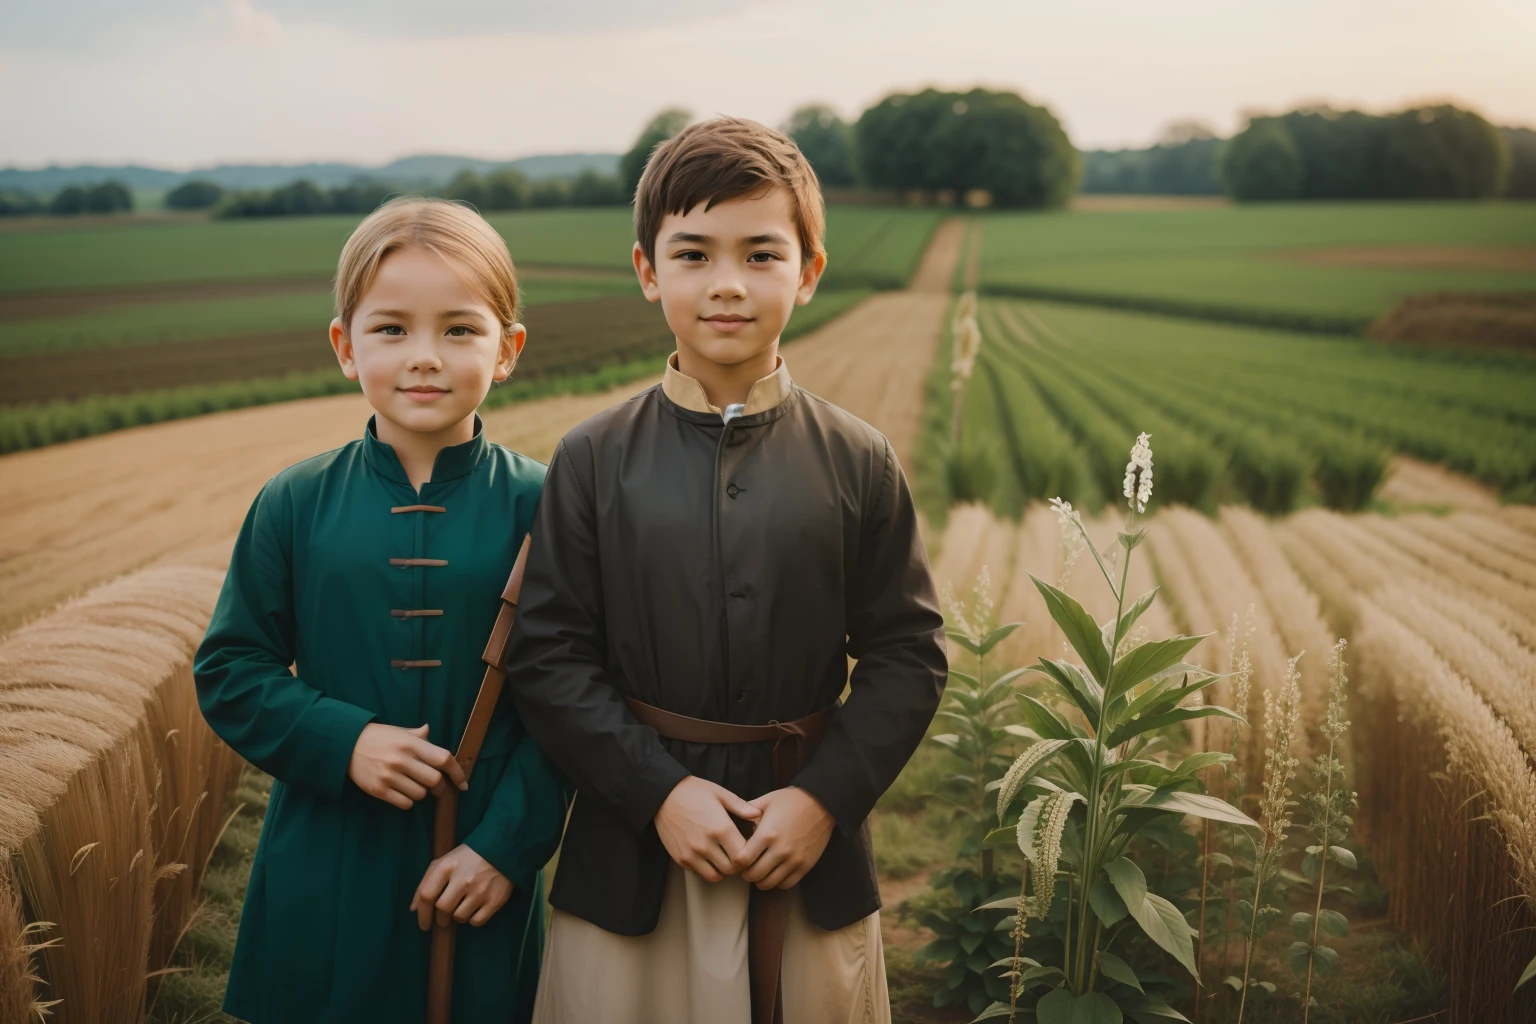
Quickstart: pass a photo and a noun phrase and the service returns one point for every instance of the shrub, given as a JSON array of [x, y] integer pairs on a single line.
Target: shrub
[[1262, 162], [194, 195]]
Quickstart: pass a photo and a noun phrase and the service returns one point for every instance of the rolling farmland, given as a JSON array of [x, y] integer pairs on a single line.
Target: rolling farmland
[[109, 326], [1282, 486]]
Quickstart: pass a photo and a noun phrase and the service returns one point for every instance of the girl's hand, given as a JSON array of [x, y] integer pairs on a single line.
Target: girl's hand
[[462, 885], [399, 766]]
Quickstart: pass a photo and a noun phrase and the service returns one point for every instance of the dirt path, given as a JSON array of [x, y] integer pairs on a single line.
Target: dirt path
[[76, 514]]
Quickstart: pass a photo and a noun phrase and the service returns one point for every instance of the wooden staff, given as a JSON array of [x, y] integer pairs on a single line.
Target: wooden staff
[[446, 817]]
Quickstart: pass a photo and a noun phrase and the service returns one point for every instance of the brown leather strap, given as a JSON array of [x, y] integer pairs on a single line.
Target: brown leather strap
[[414, 613], [396, 510], [401, 663], [445, 816], [768, 911], [401, 563]]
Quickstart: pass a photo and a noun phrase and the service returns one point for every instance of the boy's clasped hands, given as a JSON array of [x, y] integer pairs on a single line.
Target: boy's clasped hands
[[790, 831], [400, 767]]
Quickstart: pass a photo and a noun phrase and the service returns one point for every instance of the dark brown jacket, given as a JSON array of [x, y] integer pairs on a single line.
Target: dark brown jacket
[[726, 573]]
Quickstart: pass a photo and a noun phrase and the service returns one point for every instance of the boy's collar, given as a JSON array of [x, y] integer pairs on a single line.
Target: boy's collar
[[687, 393], [452, 462]]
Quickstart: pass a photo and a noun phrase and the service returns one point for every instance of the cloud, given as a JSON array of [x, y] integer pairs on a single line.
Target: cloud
[[243, 22]]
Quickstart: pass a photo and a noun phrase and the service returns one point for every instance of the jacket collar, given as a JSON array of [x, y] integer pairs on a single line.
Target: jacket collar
[[451, 463], [686, 393]]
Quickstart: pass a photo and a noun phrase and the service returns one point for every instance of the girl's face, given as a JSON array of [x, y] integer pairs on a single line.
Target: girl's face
[[424, 344]]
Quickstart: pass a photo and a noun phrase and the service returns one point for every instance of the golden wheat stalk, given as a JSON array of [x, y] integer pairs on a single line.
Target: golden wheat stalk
[[110, 784]]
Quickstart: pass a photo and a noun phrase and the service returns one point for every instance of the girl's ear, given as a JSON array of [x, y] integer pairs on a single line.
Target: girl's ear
[[342, 344], [512, 341], [646, 273]]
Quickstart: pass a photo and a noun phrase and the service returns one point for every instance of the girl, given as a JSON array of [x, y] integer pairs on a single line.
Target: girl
[[374, 571]]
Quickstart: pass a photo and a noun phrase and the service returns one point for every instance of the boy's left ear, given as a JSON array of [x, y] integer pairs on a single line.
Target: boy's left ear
[[512, 343], [810, 273]]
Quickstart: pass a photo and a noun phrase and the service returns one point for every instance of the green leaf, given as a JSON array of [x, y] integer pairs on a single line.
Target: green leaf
[[1165, 926], [1144, 661], [1096, 1008], [964, 640], [1528, 973], [1043, 720], [1233, 982], [1078, 626], [1333, 922], [1128, 881], [1114, 968], [1055, 1007], [996, 637], [992, 1012], [1106, 903], [1084, 692], [1301, 925], [969, 943], [1297, 958], [1194, 764], [1345, 857], [1134, 612], [1325, 959], [1130, 730], [1199, 805], [1154, 1006]]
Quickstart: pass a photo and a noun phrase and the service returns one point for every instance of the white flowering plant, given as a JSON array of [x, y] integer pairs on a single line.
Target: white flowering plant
[[1092, 776]]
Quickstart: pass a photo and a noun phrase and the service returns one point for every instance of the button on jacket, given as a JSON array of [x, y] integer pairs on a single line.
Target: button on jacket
[[382, 600], [725, 571]]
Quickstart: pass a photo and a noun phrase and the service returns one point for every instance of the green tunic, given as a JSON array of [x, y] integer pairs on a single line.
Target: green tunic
[[317, 582]]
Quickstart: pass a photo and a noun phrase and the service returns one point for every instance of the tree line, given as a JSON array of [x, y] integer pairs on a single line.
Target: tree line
[[106, 197], [942, 146], [1438, 152]]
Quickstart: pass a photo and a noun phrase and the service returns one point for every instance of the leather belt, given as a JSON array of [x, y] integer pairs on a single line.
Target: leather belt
[[768, 912]]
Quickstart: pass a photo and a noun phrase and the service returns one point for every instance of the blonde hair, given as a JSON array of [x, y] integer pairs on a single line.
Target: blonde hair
[[456, 233]]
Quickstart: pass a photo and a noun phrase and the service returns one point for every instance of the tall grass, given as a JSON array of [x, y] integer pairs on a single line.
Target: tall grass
[[1449, 812], [110, 793]]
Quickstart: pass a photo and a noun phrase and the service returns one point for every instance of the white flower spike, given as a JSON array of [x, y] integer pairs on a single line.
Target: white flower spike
[[1138, 474]]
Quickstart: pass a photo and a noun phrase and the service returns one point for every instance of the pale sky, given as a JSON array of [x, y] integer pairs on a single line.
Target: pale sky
[[183, 83]]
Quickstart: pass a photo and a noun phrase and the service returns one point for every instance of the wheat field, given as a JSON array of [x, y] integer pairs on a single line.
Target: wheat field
[[1440, 616]]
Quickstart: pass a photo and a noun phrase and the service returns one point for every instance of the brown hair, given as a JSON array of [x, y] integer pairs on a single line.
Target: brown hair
[[456, 233], [721, 159]]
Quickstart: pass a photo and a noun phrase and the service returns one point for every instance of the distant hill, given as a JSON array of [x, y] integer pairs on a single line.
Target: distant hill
[[426, 169]]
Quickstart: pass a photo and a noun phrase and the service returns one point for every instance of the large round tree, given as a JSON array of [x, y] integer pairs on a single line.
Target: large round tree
[[1262, 162], [996, 142], [661, 128]]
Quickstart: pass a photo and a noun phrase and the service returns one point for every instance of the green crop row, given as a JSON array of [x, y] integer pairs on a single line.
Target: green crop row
[[595, 360], [1343, 419]]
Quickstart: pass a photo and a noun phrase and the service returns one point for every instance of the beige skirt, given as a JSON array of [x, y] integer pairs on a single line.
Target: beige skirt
[[693, 968]]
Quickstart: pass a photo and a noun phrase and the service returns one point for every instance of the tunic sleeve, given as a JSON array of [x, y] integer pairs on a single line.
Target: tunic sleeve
[[521, 827], [556, 661], [896, 633], [247, 693]]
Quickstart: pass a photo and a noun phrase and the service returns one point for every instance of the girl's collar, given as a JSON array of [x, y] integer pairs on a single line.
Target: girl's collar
[[451, 462]]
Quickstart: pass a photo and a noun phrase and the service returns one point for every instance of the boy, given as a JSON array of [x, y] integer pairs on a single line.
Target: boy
[[706, 558]]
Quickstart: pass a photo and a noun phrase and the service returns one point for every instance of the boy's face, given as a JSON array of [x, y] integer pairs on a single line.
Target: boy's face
[[424, 344], [728, 277]]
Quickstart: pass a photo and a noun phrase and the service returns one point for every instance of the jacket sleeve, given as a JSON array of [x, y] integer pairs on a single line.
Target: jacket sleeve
[[896, 634], [558, 653], [521, 826], [245, 688]]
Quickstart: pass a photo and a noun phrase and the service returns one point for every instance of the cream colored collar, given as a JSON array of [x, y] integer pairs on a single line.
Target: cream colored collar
[[683, 390]]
